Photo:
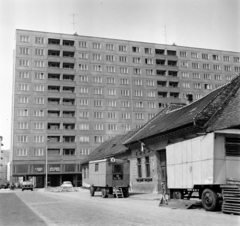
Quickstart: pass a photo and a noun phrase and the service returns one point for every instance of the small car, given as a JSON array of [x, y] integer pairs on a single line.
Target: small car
[[67, 184], [27, 185]]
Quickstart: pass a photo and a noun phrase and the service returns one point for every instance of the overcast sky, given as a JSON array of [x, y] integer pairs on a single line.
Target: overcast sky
[[211, 24]]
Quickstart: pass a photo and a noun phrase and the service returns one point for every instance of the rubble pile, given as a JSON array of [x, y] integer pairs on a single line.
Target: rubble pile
[[61, 189]]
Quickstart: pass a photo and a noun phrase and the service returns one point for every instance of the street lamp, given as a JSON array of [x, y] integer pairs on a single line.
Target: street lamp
[[46, 165]]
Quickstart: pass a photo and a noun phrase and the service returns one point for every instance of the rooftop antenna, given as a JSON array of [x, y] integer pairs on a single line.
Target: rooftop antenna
[[73, 23]]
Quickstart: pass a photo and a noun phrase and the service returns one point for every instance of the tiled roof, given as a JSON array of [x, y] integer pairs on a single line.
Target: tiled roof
[[208, 113], [109, 148]]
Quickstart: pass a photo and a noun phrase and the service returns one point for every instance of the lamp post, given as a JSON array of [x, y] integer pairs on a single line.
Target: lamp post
[[46, 169]]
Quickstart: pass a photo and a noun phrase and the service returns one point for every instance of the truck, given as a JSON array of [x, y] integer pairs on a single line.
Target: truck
[[206, 164], [110, 176]]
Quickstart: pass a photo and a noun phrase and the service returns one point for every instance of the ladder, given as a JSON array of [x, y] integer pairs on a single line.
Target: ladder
[[118, 192]]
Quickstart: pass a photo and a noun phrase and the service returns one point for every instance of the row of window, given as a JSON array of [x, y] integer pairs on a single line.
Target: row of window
[[42, 151], [134, 49]]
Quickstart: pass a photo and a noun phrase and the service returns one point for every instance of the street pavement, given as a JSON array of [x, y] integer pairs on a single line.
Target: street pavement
[[79, 208]]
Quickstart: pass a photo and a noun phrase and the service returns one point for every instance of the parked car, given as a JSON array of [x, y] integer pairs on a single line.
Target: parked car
[[27, 185], [67, 184]]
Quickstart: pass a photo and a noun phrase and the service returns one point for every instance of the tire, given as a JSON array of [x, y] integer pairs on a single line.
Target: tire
[[209, 199], [126, 193], [92, 191], [177, 194], [104, 193]]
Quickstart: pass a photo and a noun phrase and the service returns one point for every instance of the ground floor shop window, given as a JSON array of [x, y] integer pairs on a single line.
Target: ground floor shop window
[[139, 166]]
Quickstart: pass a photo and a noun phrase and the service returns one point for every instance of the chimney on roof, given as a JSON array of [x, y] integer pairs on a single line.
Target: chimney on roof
[[189, 98]]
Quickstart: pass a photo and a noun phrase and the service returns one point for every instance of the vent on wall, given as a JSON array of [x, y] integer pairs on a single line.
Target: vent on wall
[[232, 146]]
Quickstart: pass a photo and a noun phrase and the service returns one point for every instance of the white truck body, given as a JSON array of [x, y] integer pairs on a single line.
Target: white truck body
[[202, 161]]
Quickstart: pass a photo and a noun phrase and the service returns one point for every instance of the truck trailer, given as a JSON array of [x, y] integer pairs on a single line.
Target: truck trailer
[[206, 164], [110, 176]]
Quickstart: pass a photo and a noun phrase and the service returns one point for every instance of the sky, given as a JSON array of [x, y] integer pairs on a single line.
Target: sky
[[210, 24]]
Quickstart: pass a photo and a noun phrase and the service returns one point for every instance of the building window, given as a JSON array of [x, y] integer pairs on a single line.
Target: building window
[[38, 139], [126, 115], [83, 56], [150, 116], [112, 103], [98, 139], [39, 40], [22, 112], [23, 100], [38, 151], [23, 74], [149, 72], [207, 76], [97, 68], [22, 125], [112, 127], [22, 138], [69, 151], [124, 81], [83, 67], [216, 67], [84, 139], [123, 59], [148, 50], [39, 88], [123, 70], [226, 58], [83, 102], [96, 56], [82, 44], [137, 71], [139, 116], [206, 66], [236, 59], [237, 69], [138, 104], [186, 85], [39, 75], [197, 85], [122, 48], [39, 52], [84, 114], [229, 78], [135, 49], [97, 103], [96, 45], [24, 50], [195, 65], [139, 167], [39, 100], [110, 47], [83, 126], [24, 38], [227, 68], [183, 54], [83, 90], [205, 56], [110, 80], [151, 105], [147, 166], [151, 94], [138, 82], [150, 83], [148, 61], [110, 69], [194, 55], [185, 74], [23, 87], [217, 77], [98, 115], [125, 104], [110, 58], [112, 115], [98, 91], [136, 60], [98, 127], [125, 92], [83, 78], [138, 93], [24, 63], [39, 63], [215, 57], [38, 125], [198, 96], [84, 151], [38, 113], [112, 92], [21, 152], [196, 76], [184, 64]]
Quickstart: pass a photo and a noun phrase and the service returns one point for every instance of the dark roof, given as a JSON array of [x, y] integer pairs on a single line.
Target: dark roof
[[109, 148], [213, 111]]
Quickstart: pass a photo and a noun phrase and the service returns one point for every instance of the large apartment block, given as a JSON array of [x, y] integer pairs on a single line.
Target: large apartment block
[[73, 92]]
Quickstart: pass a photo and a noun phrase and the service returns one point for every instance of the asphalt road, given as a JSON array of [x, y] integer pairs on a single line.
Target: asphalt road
[[78, 208]]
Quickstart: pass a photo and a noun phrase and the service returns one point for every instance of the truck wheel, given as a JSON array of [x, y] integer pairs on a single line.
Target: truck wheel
[[209, 199], [104, 193], [177, 194], [92, 191]]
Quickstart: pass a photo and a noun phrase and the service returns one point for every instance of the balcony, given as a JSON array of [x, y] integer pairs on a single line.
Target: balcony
[[162, 83], [172, 63], [52, 41], [54, 77], [67, 54], [174, 95], [159, 51], [160, 62], [162, 94], [53, 128], [54, 89], [161, 72], [173, 85], [54, 101]]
